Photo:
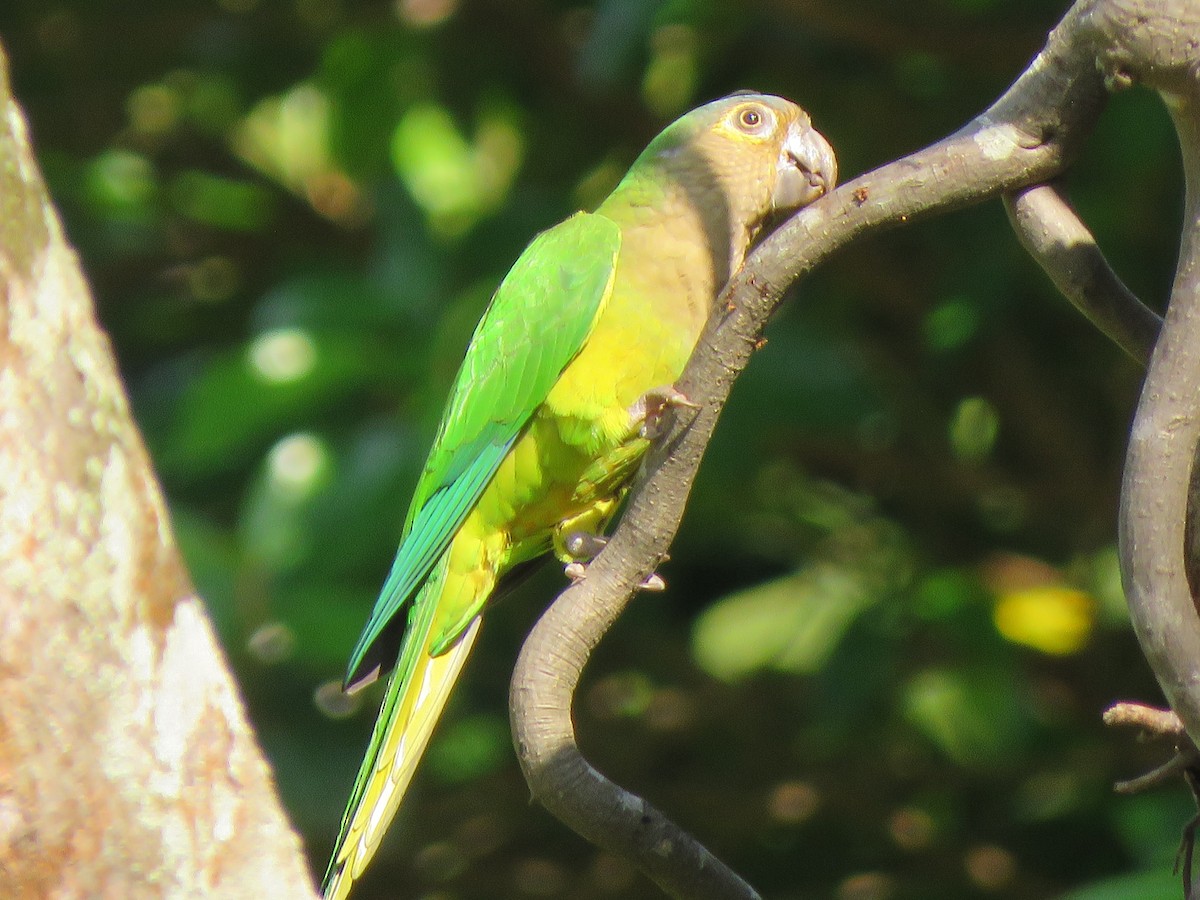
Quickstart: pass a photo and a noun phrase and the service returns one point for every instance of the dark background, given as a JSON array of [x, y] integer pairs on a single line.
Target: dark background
[[894, 613]]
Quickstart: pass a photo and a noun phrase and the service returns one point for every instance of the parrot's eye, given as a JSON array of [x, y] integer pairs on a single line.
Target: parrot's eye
[[752, 119]]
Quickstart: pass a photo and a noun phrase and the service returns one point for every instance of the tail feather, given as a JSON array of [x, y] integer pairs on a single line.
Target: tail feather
[[416, 693]]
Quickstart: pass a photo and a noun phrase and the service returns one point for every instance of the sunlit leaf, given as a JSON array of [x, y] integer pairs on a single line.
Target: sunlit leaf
[[287, 136], [275, 522], [454, 180], [670, 78], [792, 624], [221, 202], [973, 428], [122, 185]]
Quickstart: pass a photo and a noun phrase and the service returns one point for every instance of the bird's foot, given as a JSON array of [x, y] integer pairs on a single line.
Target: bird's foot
[[577, 572], [647, 412], [583, 545]]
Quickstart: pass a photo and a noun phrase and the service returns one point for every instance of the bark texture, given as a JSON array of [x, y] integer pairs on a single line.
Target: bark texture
[[127, 767]]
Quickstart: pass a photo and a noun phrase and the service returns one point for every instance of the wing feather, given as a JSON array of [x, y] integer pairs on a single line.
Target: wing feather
[[538, 320]]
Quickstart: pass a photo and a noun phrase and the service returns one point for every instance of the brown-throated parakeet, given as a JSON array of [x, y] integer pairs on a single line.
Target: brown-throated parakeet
[[544, 427]]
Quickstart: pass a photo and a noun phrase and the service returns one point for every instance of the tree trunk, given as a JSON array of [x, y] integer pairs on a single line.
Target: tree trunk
[[127, 767]]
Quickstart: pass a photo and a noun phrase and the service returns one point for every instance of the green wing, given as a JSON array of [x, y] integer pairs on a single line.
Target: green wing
[[538, 320]]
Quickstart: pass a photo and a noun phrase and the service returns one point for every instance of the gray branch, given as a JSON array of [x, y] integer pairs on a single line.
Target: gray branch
[[1028, 137], [1050, 229], [1154, 527]]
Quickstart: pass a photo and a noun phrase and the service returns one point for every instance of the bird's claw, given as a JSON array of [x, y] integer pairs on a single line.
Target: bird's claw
[[577, 572], [647, 412], [653, 582]]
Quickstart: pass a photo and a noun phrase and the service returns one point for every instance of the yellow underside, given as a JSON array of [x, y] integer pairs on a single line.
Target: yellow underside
[[566, 473], [544, 490]]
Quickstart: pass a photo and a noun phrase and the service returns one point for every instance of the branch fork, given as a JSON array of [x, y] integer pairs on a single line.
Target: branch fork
[[1016, 149]]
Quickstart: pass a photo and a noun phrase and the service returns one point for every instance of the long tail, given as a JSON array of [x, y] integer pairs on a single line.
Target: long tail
[[416, 693]]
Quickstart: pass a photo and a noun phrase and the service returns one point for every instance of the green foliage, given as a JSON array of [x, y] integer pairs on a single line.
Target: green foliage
[[1158, 885], [791, 624], [894, 613]]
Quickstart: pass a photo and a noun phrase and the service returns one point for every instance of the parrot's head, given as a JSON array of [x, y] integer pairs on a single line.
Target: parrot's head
[[753, 156]]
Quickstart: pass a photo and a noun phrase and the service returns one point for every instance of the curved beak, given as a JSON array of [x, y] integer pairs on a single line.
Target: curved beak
[[807, 167]]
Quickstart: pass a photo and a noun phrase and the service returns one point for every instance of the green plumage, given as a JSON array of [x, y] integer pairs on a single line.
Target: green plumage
[[560, 281], [540, 437]]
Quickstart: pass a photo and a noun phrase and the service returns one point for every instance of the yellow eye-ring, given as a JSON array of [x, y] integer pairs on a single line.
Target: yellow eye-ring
[[753, 119]]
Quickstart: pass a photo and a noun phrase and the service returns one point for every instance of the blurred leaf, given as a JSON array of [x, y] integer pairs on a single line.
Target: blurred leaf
[[287, 137], [220, 202], [974, 716], [122, 186], [951, 325], [670, 79], [453, 180], [244, 398], [211, 101], [470, 747], [942, 594], [1051, 795], [792, 624], [154, 109], [1161, 884], [974, 428], [371, 76], [615, 41], [275, 523], [123, 190], [1102, 575]]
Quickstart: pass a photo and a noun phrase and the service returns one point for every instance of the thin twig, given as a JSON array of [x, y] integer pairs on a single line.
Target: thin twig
[[1168, 771], [1157, 723]]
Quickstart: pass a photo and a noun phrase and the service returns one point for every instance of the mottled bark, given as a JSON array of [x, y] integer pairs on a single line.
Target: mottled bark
[[127, 767]]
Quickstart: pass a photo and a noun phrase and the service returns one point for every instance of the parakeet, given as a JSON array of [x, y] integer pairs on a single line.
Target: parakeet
[[546, 422]]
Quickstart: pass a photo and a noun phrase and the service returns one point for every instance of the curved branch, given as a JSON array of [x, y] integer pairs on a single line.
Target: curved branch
[[1028, 136], [1154, 517], [1054, 235]]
